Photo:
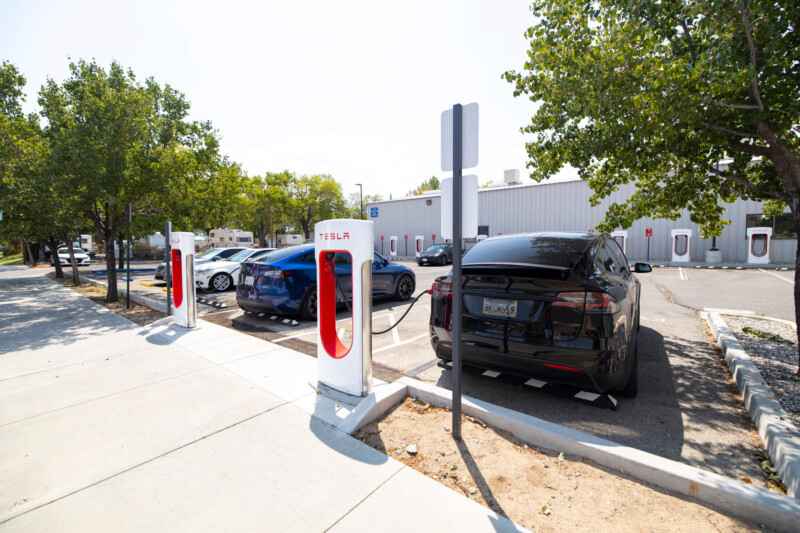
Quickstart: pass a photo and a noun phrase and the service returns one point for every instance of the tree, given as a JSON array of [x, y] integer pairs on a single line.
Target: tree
[[431, 184], [266, 204], [658, 93], [316, 198], [114, 140], [354, 203]]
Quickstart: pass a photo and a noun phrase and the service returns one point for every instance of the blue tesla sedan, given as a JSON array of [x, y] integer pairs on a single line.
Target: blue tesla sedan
[[285, 281]]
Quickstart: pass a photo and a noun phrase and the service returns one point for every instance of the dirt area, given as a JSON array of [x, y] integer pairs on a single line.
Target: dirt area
[[137, 313], [535, 488]]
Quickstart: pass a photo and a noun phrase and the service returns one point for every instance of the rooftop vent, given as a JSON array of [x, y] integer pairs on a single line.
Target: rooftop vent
[[511, 177]]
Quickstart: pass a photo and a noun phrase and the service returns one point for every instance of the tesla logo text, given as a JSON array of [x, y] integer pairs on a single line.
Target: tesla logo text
[[334, 236]]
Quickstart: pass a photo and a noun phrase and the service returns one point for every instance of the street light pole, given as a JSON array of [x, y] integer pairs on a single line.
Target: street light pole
[[361, 198]]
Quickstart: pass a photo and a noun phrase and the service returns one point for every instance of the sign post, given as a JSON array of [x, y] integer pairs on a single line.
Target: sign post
[[648, 232], [459, 151]]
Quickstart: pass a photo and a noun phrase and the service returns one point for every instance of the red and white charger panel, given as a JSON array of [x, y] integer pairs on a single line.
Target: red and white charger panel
[[419, 244], [621, 237], [759, 241], [344, 367], [681, 240], [183, 289], [393, 246]]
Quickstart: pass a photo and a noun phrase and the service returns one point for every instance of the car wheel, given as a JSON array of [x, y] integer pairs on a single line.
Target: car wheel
[[221, 282], [308, 307], [405, 288], [444, 260], [631, 388]]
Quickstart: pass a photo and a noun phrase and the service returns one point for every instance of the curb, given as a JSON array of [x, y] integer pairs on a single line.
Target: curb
[[139, 299], [774, 426], [744, 501]]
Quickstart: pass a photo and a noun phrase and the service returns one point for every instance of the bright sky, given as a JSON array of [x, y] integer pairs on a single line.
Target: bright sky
[[350, 88]]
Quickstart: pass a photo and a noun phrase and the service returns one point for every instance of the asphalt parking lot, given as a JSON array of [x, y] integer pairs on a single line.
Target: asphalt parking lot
[[686, 409]]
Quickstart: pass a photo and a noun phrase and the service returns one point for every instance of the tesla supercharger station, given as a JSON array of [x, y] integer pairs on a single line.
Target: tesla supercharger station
[[393, 246], [183, 289], [681, 245], [759, 241], [622, 239], [419, 245], [345, 368]]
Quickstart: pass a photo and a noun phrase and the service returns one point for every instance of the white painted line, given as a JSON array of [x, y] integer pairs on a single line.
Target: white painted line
[[777, 276], [588, 396], [728, 311], [295, 322], [643, 317], [402, 343], [341, 333], [261, 314], [285, 321], [273, 317], [683, 275], [490, 374], [395, 333], [535, 383], [613, 400], [296, 336], [450, 364]]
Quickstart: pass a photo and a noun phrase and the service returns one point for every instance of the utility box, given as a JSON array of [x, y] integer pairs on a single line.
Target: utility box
[[759, 241], [681, 245], [345, 367]]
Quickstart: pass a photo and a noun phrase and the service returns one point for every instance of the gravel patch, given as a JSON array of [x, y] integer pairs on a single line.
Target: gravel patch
[[777, 362]]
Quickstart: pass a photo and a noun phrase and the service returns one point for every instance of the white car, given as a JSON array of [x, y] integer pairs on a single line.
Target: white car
[[81, 257], [222, 275]]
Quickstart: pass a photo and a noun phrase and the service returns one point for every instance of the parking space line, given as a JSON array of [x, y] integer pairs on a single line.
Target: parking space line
[[395, 334], [421, 368], [684, 276], [777, 276], [399, 344], [296, 336]]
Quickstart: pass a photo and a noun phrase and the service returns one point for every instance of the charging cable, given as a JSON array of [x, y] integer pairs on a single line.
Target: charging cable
[[420, 295]]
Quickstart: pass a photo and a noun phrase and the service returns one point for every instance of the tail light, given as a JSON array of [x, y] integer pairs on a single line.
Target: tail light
[[445, 290], [591, 302]]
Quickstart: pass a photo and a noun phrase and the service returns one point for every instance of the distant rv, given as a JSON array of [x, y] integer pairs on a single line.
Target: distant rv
[[228, 238]]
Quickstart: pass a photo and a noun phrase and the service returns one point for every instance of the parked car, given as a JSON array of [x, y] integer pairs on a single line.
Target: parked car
[[81, 257], [286, 281], [560, 307], [438, 254], [212, 254], [224, 274]]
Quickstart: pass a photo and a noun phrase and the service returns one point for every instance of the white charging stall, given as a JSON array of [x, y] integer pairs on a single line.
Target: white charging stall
[[419, 244], [345, 368], [681, 245], [759, 241], [183, 287], [393, 246], [621, 236]]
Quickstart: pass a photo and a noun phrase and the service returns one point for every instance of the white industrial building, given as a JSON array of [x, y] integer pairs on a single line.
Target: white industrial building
[[515, 208]]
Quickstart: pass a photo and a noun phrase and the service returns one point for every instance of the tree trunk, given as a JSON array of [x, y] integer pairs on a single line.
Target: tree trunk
[[53, 245], [121, 240], [111, 267], [76, 276], [29, 253]]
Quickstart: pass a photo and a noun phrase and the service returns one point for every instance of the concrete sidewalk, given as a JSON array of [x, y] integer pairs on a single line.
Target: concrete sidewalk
[[107, 426]]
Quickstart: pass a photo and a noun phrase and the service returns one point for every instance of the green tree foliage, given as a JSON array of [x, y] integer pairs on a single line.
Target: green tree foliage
[[316, 198], [656, 93], [266, 204], [115, 140], [431, 184], [354, 202]]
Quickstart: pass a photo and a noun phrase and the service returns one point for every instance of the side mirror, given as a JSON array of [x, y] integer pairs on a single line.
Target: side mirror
[[642, 268], [215, 258]]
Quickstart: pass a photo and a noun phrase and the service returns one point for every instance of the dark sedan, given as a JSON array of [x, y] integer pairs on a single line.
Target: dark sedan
[[560, 307], [438, 254], [286, 282]]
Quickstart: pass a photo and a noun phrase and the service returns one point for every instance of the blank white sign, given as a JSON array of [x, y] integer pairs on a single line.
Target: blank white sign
[[469, 207], [469, 137]]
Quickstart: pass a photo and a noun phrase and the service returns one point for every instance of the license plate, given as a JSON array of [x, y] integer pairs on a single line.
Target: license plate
[[498, 307], [248, 280], [424, 260]]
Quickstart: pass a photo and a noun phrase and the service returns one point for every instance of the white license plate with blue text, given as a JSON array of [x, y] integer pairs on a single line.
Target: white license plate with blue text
[[499, 307], [248, 280]]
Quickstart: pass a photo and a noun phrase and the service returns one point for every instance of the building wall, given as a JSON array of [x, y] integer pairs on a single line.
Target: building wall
[[565, 207]]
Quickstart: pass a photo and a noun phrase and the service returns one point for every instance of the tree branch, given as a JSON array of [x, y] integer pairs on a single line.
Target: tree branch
[[749, 184], [728, 106], [749, 148], [753, 84], [16, 148], [730, 131]]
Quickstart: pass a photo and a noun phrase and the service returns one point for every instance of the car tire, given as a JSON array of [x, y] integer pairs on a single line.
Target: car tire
[[405, 288], [308, 306], [631, 388], [220, 282]]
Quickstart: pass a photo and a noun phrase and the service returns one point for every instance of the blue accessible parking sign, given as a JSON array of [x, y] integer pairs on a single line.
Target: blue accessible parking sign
[[373, 212]]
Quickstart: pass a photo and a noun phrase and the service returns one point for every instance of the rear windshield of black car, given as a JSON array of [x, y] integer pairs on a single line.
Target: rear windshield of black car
[[558, 252]]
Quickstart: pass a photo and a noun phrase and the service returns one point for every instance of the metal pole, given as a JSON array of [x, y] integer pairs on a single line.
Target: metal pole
[[648, 249], [128, 269], [457, 272], [361, 199], [168, 261]]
